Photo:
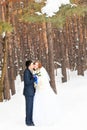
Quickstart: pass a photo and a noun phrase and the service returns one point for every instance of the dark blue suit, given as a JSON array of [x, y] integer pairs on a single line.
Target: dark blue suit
[[28, 92]]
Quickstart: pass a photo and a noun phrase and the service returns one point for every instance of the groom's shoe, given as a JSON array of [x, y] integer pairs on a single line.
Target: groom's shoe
[[32, 124]]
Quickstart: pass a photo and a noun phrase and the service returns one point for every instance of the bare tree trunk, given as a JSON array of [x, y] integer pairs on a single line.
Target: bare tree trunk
[[4, 69], [51, 56], [11, 68], [45, 44], [6, 85], [63, 57], [80, 50]]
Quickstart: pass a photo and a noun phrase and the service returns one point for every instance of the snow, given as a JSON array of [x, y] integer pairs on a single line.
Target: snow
[[71, 100], [52, 6]]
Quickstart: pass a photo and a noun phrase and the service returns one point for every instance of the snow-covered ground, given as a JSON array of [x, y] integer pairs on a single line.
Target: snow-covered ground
[[72, 106]]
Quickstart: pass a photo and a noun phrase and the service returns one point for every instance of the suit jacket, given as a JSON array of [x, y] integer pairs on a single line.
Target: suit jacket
[[29, 89]]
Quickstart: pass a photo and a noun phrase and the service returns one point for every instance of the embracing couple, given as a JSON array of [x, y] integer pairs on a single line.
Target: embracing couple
[[40, 99]]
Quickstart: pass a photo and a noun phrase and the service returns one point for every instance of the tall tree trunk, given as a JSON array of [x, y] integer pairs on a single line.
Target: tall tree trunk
[[63, 57], [3, 69], [6, 85], [45, 44], [80, 50], [5, 51], [11, 68], [51, 56]]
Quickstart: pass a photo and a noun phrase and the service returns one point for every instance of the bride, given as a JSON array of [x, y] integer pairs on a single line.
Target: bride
[[45, 100]]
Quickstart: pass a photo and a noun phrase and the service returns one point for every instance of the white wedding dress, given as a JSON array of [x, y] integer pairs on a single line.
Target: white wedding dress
[[45, 102]]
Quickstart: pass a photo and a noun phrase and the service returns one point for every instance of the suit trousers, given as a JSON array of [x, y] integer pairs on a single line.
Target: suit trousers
[[29, 109]]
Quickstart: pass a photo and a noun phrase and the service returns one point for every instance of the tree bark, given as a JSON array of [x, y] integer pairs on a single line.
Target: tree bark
[[51, 56]]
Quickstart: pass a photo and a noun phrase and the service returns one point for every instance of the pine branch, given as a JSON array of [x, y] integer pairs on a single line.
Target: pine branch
[[4, 27], [29, 14]]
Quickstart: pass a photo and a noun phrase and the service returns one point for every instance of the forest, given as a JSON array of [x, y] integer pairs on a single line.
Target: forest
[[58, 42]]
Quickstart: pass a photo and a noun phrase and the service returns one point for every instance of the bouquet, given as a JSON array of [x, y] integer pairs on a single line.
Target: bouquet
[[35, 79], [36, 75]]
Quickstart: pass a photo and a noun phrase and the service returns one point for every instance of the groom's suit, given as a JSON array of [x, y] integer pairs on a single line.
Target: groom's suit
[[28, 92]]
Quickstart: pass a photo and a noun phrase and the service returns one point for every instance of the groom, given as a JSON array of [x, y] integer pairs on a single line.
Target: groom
[[29, 92]]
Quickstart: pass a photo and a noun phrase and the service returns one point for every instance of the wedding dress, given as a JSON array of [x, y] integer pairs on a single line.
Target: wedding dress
[[45, 101]]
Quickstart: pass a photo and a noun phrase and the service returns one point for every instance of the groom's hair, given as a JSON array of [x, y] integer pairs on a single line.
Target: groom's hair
[[28, 63]]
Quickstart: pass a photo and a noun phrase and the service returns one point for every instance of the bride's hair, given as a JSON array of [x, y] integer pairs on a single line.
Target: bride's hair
[[39, 63]]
